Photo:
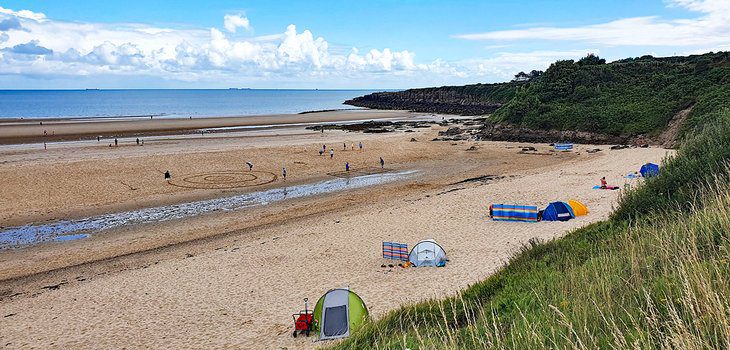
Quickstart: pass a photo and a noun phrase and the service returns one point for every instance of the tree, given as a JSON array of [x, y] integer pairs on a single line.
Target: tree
[[591, 60]]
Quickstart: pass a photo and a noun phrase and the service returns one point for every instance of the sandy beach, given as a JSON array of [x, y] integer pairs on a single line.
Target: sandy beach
[[232, 279]]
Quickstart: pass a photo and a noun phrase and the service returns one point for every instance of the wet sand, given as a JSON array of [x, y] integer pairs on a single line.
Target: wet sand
[[233, 279], [40, 130]]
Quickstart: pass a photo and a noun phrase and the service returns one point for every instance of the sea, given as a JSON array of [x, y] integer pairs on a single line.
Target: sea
[[168, 103]]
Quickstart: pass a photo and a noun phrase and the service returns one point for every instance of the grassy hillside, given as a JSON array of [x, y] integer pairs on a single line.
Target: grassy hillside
[[626, 97], [655, 275]]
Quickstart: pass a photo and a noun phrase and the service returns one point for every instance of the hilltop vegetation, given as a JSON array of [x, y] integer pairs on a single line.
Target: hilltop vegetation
[[627, 97], [630, 97], [655, 275]]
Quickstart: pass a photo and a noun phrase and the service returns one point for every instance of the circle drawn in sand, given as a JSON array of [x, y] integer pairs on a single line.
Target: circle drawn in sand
[[221, 180]]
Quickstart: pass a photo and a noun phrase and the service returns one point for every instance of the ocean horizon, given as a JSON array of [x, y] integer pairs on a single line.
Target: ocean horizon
[[107, 103]]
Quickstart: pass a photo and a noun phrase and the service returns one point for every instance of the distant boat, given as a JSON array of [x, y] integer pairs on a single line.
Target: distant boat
[[92, 89], [239, 88]]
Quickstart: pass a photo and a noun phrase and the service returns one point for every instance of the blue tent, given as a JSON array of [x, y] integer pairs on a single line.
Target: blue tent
[[649, 170], [563, 146], [558, 211]]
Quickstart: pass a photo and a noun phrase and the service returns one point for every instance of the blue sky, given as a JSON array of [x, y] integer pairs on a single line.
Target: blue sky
[[333, 44]]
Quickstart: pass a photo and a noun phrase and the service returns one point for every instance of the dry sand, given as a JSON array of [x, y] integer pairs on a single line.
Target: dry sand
[[232, 280]]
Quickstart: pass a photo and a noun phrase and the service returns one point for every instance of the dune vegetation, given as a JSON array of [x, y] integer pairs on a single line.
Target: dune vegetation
[[654, 275], [627, 98]]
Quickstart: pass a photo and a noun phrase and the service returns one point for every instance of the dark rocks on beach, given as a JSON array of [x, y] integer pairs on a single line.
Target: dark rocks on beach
[[377, 130], [593, 150], [616, 147], [451, 131], [413, 139], [472, 148], [528, 149]]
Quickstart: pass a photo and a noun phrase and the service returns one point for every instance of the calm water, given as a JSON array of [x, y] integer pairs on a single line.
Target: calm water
[[69, 230], [175, 103]]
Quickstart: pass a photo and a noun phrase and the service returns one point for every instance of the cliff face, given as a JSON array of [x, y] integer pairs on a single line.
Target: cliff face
[[476, 99]]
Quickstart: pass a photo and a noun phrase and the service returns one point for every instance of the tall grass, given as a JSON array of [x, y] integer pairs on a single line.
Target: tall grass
[[656, 275]]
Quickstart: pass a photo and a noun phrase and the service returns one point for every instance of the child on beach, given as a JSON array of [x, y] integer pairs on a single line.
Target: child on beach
[[604, 184]]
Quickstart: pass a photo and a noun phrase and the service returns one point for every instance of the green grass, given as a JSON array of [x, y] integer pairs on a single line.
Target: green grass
[[623, 98], [655, 275]]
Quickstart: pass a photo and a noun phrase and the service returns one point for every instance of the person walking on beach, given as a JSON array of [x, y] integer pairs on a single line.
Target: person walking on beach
[[283, 173], [347, 166], [116, 142], [360, 145], [321, 152], [332, 153], [344, 146], [250, 165], [382, 163]]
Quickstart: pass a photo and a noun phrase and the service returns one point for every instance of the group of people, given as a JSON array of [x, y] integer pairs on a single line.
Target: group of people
[[321, 152]]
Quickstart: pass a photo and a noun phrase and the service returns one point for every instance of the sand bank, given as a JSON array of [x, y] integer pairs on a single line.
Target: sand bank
[[35, 130]]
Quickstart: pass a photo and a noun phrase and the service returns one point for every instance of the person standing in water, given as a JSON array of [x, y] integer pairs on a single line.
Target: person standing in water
[[116, 142], [250, 165], [138, 141], [382, 163]]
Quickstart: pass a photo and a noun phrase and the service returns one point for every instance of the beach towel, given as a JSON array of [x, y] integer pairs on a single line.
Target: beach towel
[[395, 251], [607, 188]]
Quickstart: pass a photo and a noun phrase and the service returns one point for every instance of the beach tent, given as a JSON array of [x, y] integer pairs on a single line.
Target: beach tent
[[649, 170], [558, 211], [579, 209], [427, 253], [338, 313], [563, 146], [511, 212]]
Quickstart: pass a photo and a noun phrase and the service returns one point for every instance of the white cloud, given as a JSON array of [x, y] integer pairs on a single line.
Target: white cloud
[[36, 16], [503, 66], [233, 22], [712, 27], [58, 48]]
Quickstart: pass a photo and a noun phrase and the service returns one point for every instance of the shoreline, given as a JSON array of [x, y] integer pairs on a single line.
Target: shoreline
[[54, 130]]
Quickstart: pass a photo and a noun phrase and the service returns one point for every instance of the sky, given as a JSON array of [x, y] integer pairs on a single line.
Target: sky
[[374, 44]]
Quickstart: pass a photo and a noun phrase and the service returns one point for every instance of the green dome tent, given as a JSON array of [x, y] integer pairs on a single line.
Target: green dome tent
[[338, 313]]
